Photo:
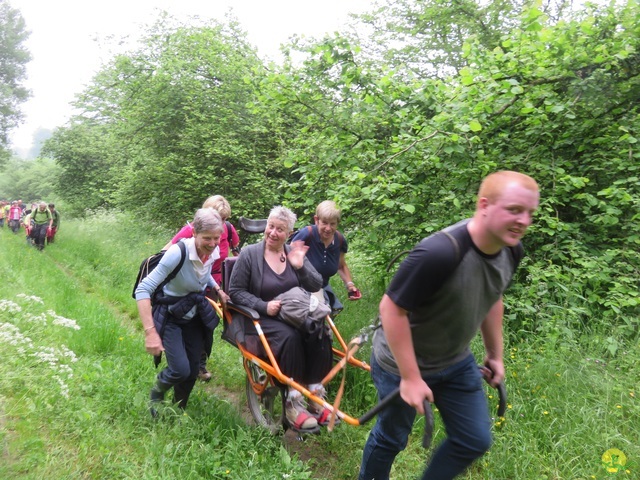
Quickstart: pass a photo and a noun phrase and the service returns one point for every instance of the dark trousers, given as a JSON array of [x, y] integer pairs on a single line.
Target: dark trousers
[[206, 353], [39, 234], [183, 344], [305, 359]]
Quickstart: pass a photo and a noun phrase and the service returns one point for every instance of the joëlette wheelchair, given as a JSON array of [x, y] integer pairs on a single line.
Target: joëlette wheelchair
[[265, 383]]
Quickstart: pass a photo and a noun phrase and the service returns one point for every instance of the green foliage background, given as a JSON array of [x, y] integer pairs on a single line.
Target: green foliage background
[[397, 120], [14, 57]]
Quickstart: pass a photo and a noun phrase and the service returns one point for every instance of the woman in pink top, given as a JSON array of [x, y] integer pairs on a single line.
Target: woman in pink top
[[14, 217], [228, 241]]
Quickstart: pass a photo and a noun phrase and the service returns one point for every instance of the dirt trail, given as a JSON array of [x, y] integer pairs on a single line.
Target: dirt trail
[[305, 450]]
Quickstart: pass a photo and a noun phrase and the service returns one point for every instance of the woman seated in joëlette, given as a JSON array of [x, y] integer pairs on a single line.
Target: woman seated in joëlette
[[262, 272]]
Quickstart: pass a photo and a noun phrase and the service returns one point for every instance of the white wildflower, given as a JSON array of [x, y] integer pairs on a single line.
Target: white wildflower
[[46, 355], [30, 298], [64, 388], [28, 354], [11, 335], [9, 306], [70, 354], [42, 318], [62, 321]]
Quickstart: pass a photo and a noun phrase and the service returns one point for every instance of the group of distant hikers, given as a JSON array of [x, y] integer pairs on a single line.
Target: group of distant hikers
[[41, 222]]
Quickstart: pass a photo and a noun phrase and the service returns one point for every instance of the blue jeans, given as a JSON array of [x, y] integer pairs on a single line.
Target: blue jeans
[[462, 405]]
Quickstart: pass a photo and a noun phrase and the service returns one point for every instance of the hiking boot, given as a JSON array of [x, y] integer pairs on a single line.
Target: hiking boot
[[298, 416], [156, 397], [204, 374]]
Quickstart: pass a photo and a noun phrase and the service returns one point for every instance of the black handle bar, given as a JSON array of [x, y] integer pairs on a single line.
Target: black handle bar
[[428, 413], [502, 405], [502, 395], [379, 407]]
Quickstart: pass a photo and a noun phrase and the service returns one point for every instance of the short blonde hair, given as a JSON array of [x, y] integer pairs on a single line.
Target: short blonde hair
[[328, 210], [219, 203], [493, 184]]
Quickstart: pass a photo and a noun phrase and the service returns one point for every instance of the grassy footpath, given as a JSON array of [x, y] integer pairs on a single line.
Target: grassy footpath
[[74, 382]]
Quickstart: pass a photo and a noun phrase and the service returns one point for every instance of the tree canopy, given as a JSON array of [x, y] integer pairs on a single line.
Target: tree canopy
[[174, 116], [399, 128], [13, 60]]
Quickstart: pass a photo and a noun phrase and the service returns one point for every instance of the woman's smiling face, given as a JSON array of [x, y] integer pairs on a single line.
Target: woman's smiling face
[[326, 228], [276, 232], [206, 242]]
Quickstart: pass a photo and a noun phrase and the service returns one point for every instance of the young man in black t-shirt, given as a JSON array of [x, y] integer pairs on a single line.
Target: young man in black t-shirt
[[447, 289]]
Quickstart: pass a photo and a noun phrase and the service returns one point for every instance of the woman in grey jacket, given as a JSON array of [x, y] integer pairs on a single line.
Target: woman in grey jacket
[[262, 272]]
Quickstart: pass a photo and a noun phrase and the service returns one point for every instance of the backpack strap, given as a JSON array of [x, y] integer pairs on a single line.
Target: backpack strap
[[456, 245], [310, 236], [174, 272], [516, 252], [229, 234], [183, 256]]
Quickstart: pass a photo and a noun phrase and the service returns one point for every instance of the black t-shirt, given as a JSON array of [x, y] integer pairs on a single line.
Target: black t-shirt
[[447, 286]]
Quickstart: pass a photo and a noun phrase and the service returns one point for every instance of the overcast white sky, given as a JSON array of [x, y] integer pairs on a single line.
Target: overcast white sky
[[65, 55]]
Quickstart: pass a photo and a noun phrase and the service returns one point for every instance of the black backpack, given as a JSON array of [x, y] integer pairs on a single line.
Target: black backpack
[[236, 249], [148, 264]]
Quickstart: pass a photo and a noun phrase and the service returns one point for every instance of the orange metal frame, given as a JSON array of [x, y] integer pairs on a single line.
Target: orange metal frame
[[273, 370]]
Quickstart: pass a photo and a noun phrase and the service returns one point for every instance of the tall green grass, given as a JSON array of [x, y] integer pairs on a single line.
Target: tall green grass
[[84, 414], [73, 402]]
